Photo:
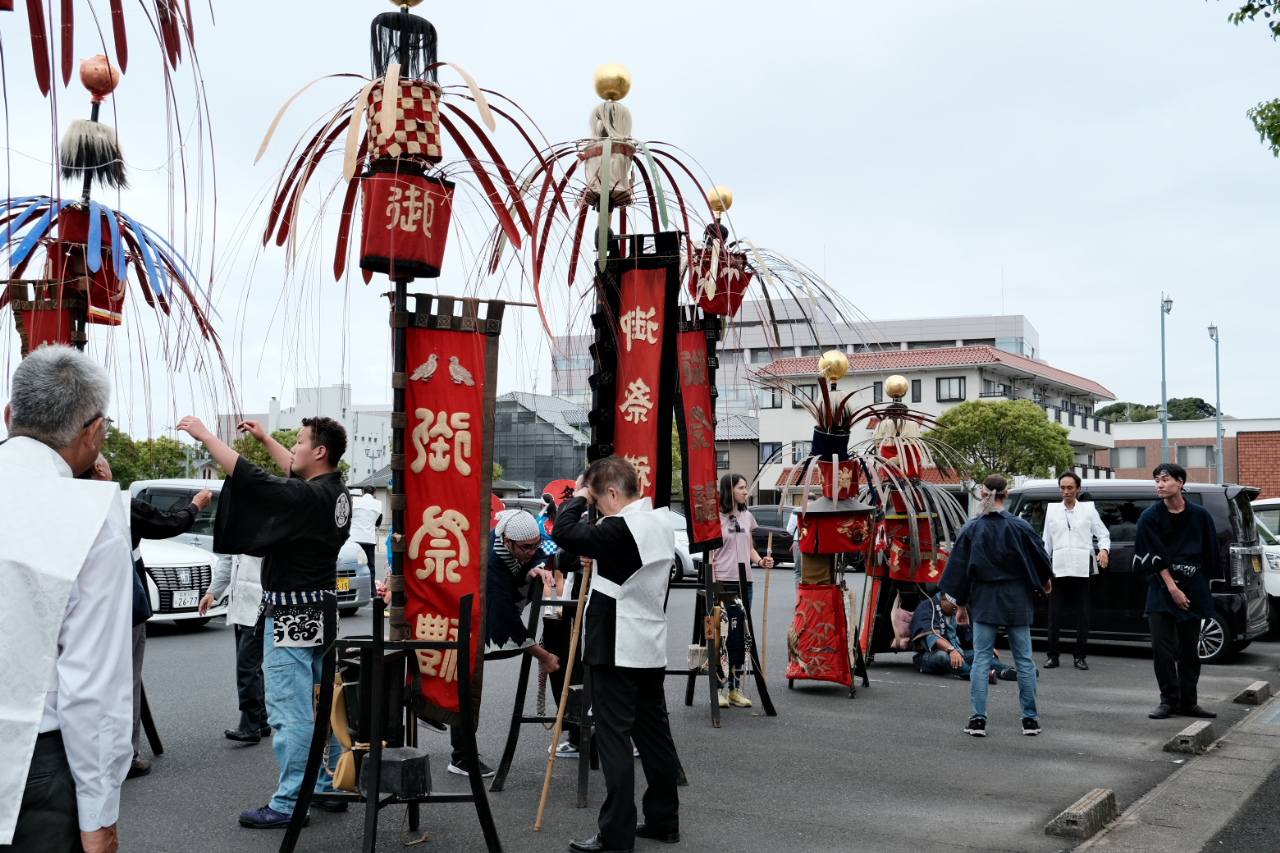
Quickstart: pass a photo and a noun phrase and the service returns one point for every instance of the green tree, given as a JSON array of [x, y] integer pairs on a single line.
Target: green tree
[[1127, 412], [677, 464], [497, 471], [1009, 437], [1266, 115], [1190, 409]]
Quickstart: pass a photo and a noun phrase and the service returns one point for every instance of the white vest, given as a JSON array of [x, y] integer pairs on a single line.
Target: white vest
[[48, 523], [641, 635], [245, 590], [1073, 545]]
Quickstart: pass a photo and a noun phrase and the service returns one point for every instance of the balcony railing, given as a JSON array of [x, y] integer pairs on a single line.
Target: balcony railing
[[1078, 421]]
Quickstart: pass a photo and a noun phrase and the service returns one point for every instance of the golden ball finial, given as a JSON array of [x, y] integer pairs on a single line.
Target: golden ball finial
[[833, 365], [720, 199], [612, 81], [896, 387], [405, 3]]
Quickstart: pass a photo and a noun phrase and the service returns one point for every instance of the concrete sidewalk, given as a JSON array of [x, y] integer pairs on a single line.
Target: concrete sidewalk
[[1182, 814]]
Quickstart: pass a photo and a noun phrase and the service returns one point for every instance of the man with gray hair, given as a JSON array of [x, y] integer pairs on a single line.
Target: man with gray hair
[[66, 714]]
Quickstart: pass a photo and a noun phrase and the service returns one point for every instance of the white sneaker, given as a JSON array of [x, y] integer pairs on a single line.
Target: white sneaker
[[723, 698], [565, 750]]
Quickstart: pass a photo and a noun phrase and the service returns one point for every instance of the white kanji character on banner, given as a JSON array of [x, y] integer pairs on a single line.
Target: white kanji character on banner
[[436, 663], [636, 405], [641, 464], [639, 326], [407, 221], [457, 428], [441, 558]]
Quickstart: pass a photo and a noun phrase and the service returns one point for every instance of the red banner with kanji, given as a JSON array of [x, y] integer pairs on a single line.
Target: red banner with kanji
[[446, 515], [698, 437], [641, 316]]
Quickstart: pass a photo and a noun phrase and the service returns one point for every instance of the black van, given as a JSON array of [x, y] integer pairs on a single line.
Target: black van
[[1118, 594]]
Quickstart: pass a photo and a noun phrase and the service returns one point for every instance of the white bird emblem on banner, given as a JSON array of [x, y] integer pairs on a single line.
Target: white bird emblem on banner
[[425, 370], [461, 376]]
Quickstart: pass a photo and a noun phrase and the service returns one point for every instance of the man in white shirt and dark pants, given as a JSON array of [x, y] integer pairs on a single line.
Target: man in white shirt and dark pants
[[240, 575], [625, 647], [1069, 531], [66, 711], [366, 515]]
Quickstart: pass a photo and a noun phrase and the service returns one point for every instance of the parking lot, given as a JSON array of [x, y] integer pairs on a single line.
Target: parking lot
[[890, 770]]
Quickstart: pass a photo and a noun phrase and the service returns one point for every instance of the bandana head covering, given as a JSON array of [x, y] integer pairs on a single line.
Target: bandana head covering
[[517, 525]]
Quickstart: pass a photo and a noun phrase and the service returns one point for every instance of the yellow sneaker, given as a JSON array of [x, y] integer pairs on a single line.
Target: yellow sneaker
[[738, 700], [724, 698]]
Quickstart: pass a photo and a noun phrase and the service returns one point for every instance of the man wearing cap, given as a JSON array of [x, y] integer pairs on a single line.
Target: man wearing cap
[[997, 564], [517, 554]]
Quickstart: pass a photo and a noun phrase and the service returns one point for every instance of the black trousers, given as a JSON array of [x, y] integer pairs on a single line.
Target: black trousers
[[249, 686], [1073, 591], [48, 821], [555, 638], [371, 552], [1175, 647], [631, 707]]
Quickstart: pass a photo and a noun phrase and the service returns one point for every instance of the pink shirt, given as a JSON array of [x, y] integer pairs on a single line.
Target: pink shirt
[[736, 548]]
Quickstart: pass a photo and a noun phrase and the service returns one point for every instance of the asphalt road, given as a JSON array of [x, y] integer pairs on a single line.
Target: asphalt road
[[888, 771]]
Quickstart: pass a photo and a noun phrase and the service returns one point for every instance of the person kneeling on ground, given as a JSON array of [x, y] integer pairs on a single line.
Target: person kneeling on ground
[[936, 637], [517, 559]]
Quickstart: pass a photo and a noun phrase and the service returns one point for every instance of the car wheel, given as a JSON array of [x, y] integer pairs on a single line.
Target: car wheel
[[676, 570], [1215, 644]]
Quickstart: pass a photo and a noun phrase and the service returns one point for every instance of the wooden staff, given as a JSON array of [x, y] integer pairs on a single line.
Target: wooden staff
[[564, 697], [764, 640]]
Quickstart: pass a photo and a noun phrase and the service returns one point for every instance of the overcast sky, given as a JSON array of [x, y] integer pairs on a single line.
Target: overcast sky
[[1088, 156]]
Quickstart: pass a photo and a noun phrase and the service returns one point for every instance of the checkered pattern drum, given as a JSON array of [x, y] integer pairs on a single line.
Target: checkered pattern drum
[[417, 133]]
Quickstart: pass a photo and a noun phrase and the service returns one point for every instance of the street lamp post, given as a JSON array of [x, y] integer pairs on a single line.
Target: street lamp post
[[1217, 402], [1166, 306], [372, 454]]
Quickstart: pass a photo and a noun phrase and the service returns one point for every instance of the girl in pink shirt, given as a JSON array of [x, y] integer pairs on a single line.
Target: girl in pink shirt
[[736, 524]]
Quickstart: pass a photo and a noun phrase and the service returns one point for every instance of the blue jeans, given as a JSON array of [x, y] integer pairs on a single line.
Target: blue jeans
[[938, 662], [984, 643], [291, 677]]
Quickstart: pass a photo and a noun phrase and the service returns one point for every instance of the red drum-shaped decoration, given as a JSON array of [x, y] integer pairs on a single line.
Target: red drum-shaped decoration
[[620, 156], [827, 534], [898, 559], [908, 465], [821, 635], [841, 486], [718, 279], [69, 263], [46, 327], [417, 131], [406, 222]]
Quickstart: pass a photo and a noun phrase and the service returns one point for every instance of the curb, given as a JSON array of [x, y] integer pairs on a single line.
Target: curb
[[1130, 815]]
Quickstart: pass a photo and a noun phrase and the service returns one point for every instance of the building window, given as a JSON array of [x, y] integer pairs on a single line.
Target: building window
[[806, 391], [731, 356], [525, 417], [761, 356], [980, 342], [951, 389], [771, 398], [722, 460], [931, 344], [800, 450], [1130, 457], [768, 450], [807, 351], [877, 392], [1196, 456], [916, 391]]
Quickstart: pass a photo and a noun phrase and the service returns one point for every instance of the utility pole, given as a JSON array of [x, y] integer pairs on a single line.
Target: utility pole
[[1166, 307]]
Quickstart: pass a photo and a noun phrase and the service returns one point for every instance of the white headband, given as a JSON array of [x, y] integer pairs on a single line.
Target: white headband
[[517, 525]]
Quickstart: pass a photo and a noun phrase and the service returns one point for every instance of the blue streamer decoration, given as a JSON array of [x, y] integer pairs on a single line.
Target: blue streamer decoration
[[93, 249]]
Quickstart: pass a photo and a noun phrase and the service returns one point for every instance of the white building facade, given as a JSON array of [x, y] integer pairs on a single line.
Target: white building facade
[[939, 378], [368, 426]]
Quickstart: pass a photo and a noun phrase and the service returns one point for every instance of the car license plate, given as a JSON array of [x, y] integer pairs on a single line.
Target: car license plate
[[344, 584], [185, 598]]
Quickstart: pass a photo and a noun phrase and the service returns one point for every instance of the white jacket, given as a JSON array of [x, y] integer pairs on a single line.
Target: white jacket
[[365, 512], [641, 628], [1069, 540], [243, 575]]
